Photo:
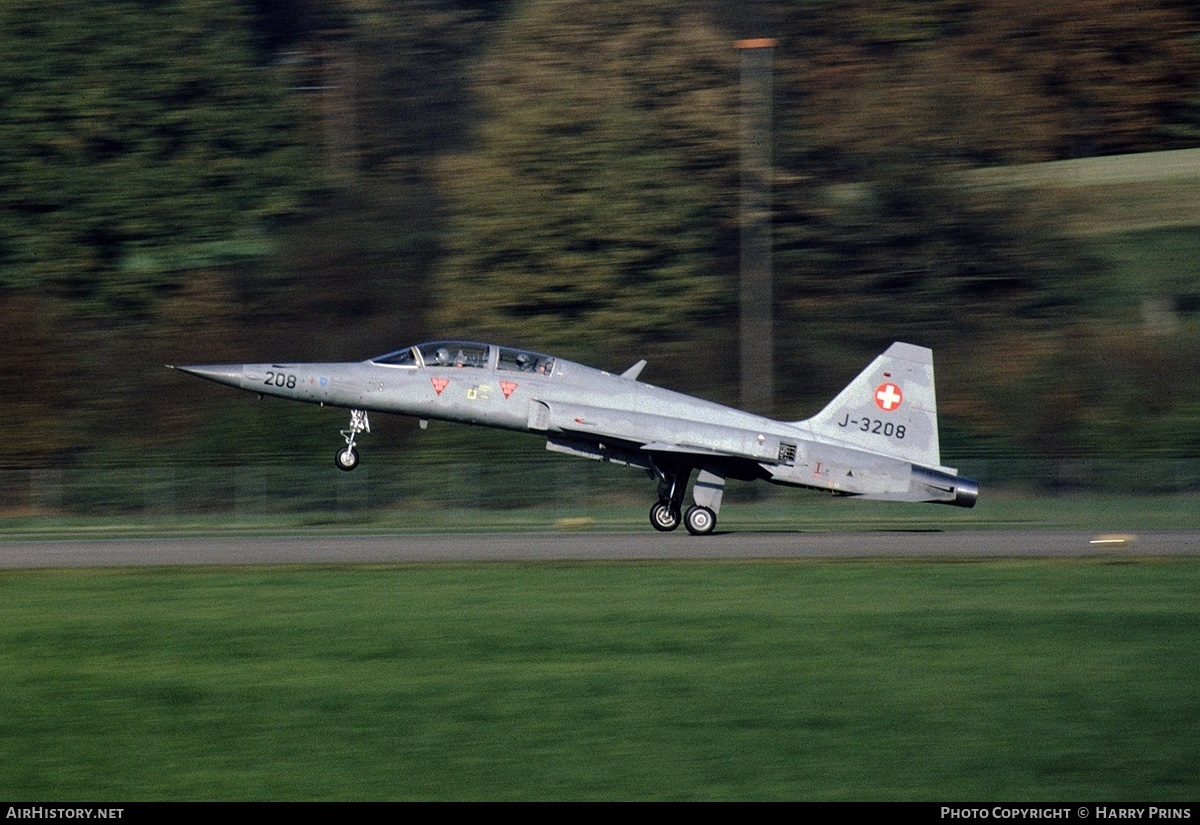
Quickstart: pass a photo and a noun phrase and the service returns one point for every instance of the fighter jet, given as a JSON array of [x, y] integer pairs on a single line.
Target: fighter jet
[[878, 439]]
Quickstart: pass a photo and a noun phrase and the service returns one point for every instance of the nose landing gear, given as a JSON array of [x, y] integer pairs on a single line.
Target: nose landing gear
[[346, 457]]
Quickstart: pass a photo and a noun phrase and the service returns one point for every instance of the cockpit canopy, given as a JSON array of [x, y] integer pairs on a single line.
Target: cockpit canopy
[[458, 354]]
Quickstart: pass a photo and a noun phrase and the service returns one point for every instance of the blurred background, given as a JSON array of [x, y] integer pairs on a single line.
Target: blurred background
[[204, 181]]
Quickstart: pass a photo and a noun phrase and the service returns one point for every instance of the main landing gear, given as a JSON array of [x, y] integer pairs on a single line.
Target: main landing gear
[[700, 519], [664, 517], [346, 457]]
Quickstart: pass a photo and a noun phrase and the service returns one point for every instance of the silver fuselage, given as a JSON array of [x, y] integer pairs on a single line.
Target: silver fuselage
[[601, 415]]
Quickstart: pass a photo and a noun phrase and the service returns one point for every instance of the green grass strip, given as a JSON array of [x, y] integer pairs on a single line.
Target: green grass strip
[[1025, 680]]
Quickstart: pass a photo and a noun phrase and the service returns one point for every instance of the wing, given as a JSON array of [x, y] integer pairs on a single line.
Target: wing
[[637, 438]]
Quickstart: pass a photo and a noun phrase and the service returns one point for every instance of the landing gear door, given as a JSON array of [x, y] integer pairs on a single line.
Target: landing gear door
[[539, 416]]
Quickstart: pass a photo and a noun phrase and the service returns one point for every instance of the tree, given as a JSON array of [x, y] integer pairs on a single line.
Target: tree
[[882, 106], [138, 140], [988, 82], [597, 206]]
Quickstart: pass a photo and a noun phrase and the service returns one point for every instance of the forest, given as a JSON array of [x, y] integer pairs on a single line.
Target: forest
[[198, 181]]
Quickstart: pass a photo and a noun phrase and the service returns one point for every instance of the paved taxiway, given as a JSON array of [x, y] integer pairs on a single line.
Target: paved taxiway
[[588, 546]]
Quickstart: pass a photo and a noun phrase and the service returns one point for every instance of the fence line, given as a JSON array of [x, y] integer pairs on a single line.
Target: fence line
[[545, 481]]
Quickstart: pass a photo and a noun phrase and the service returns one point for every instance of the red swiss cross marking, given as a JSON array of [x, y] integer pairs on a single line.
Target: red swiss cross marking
[[507, 388], [439, 384], [888, 397]]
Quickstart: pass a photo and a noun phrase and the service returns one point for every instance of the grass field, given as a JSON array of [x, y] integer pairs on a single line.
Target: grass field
[[1030, 680]]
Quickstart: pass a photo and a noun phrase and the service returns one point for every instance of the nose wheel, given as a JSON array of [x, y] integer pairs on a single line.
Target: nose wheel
[[346, 457]]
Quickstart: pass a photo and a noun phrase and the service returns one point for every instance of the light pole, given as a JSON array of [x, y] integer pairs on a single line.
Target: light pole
[[757, 334]]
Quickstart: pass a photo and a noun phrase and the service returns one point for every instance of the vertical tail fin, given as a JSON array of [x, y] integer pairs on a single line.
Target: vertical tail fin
[[890, 408]]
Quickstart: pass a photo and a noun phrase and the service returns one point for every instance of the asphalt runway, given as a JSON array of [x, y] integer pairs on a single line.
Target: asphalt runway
[[589, 546]]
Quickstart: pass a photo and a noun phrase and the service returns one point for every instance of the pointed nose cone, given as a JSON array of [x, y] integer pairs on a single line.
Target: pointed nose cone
[[230, 374]]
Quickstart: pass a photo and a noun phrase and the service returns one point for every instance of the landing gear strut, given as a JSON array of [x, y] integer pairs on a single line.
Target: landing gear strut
[[346, 457], [666, 514]]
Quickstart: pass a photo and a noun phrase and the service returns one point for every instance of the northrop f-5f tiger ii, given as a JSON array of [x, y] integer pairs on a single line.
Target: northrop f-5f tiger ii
[[878, 439]]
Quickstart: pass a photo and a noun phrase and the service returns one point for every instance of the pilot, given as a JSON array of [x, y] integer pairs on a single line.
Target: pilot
[[443, 356], [523, 362]]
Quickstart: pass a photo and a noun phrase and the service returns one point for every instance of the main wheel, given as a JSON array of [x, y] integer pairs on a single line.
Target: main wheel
[[700, 521], [346, 458], [664, 517]]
